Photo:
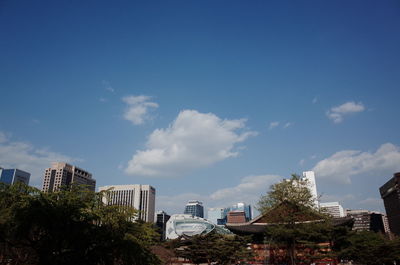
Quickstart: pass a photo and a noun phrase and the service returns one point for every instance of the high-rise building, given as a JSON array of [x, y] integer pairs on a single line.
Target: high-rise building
[[217, 216], [332, 208], [240, 206], [11, 176], [140, 197], [194, 208], [309, 177], [63, 174], [161, 222], [365, 220], [390, 193]]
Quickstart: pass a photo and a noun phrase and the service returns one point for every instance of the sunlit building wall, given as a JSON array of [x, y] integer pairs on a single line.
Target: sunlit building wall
[[140, 197]]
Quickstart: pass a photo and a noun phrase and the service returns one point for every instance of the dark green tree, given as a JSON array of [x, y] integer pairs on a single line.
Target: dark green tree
[[213, 248], [370, 248], [71, 226], [295, 223]]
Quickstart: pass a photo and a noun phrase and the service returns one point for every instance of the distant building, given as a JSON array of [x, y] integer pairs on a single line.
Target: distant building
[[140, 197], [235, 217], [189, 225], [309, 176], [246, 208], [63, 174], [161, 222], [332, 208], [11, 176], [217, 216], [194, 208], [367, 221], [390, 193]]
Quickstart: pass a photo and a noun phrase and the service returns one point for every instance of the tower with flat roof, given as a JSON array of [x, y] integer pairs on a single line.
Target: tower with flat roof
[[140, 197], [63, 174]]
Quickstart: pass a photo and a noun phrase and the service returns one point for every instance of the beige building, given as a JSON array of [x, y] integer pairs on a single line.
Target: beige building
[[140, 197], [63, 174]]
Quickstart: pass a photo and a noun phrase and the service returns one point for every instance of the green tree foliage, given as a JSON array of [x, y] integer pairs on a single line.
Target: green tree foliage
[[69, 227], [214, 249], [295, 223], [369, 248]]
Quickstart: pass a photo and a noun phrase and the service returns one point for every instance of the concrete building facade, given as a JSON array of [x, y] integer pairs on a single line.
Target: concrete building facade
[[365, 220], [140, 197], [63, 174], [161, 222], [309, 177], [332, 208], [390, 193], [194, 208]]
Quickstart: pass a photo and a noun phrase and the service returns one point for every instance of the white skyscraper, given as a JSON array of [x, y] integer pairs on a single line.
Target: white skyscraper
[[332, 208], [140, 197], [309, 176]]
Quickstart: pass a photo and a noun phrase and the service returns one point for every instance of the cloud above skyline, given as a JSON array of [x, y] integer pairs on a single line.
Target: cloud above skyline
[[25, 156], [193, 140], [138, 108], [273, 124], [249, 191], [342, 165], [337, 114]]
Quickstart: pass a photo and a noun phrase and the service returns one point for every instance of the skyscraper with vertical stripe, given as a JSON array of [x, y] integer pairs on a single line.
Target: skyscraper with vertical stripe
[[140, 197]]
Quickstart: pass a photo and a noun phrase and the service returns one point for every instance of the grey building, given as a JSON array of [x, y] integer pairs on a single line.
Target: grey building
[[194, 208], [161, 222], [11, 176], [140, 197], [367, 221], [63, 174], [390, 193]]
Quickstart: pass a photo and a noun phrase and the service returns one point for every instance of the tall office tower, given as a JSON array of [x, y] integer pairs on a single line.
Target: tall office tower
[[390, 193], [161, 222], [63, 174], [194, 208], [217, 216], [309, 176], [365, 220], [11, 176], [332, 208], [140, 197], [246, 208]]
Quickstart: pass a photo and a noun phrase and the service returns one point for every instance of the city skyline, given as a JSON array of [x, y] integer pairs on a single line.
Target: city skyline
[[205, 101]]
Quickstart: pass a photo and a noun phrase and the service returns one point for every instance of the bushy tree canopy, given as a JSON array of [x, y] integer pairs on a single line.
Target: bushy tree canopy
[[71, 226]]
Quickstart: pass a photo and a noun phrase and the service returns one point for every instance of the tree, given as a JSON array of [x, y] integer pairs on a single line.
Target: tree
[[71, 226], [289, 208], [370, 248], [213, 248]]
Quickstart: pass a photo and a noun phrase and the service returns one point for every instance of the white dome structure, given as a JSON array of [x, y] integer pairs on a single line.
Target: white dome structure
[[189, 225]]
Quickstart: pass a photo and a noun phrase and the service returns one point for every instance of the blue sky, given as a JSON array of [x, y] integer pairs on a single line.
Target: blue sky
[[208, 100]]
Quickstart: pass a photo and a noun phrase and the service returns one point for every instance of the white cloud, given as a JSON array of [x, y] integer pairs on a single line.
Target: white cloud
[[342, 165], [315, 100], [336, 114], [249, 191], [287, 125], [107, 86], [26, 157], [138, 108], [273, 125], [193, 140], [3, 137]]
